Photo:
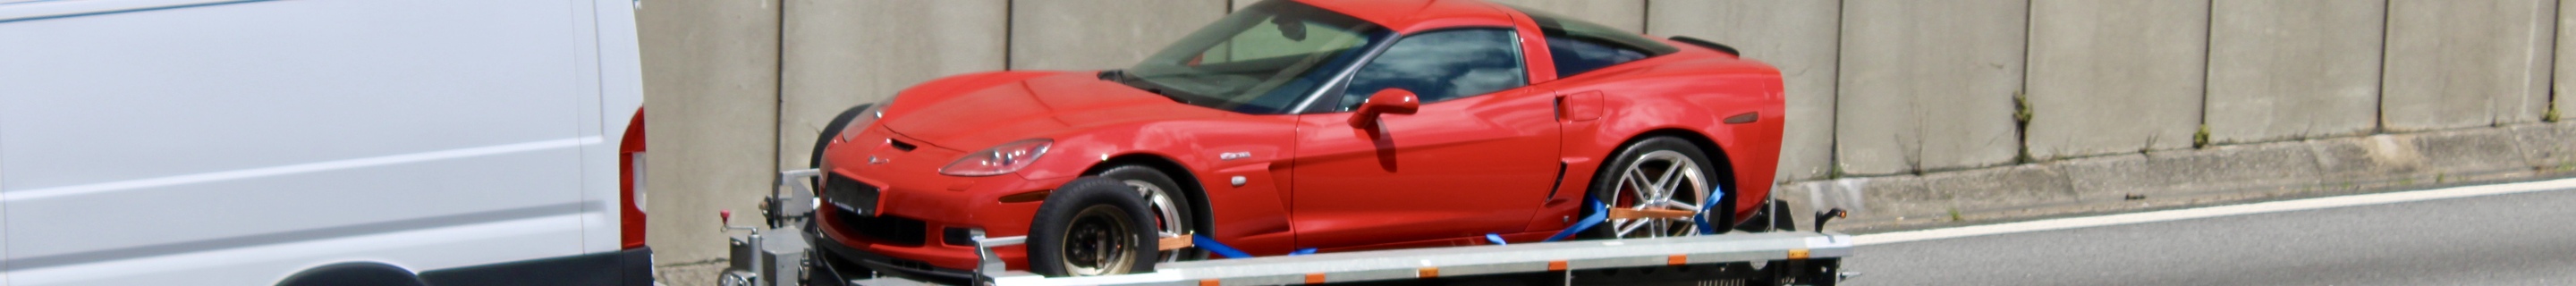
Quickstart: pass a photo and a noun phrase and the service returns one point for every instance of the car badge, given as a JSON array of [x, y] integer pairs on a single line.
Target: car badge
[[1229, 156], [873, 160]]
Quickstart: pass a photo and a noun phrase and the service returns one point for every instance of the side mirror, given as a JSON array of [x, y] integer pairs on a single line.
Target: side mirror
[[1385, 101]]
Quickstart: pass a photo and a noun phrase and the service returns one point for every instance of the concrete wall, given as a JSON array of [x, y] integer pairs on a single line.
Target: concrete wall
[[2115, 76], [2293, 69], [711, 93], [2454, 64], [1799, 37], [1101, 34], [2565, 106], [843, 53], [1928, 85]]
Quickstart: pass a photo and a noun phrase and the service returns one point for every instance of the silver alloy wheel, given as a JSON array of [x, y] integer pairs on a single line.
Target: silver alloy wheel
[[1097, 243], [1657, 180], [1167, 215]]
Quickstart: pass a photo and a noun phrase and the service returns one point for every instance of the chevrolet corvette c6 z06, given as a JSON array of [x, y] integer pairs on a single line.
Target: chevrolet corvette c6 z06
[[1306, 125]]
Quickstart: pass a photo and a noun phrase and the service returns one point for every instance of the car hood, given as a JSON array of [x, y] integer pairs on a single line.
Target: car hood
[[973, 112]]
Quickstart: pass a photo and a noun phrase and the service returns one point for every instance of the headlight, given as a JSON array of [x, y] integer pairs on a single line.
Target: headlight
[[866, 116], [1004, 159]]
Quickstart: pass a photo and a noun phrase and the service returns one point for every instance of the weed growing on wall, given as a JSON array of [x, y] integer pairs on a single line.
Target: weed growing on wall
[[2021, 127], [2200, 139], [2551, 115]]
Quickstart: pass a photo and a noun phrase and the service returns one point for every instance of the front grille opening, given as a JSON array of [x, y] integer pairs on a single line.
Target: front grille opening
[[887, 230], [957, 236]]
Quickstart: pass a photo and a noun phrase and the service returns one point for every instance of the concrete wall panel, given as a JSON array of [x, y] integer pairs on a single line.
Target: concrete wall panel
[[2453, 64], [2293, 69], [843, 53], [1799, 37], [1928, 85], [1101, 34], [2566, 60], [1627, 15], [710, 93], [2115, 76]]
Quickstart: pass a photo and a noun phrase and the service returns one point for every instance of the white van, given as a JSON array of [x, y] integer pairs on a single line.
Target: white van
[[325, 142]]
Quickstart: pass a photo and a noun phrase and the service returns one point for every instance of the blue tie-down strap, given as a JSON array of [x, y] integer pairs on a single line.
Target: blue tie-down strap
[[1210, 244], [1302, 252], [1494, 238], [1599, 213], [1701, 217]]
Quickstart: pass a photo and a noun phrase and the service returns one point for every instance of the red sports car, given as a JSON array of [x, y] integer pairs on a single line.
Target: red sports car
[[1307, 125]]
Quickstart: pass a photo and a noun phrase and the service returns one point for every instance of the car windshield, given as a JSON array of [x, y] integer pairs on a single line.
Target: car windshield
[[1261, 60]]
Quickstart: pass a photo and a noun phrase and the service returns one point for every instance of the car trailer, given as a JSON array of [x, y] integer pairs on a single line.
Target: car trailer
[[764, 255]]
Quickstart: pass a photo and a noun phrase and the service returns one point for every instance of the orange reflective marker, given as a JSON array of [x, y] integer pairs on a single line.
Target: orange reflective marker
[[1171, 243]]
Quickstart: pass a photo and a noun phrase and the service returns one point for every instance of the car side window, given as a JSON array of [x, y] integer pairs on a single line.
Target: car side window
[[1577, 46], [1442, 65], [1575, 56]]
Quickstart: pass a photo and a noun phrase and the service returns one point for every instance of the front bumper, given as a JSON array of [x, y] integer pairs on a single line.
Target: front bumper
[[839, 262], [904, 228]]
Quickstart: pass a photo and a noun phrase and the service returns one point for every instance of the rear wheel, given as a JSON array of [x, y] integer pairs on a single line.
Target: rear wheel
[[1092, 226], [1657, 187]]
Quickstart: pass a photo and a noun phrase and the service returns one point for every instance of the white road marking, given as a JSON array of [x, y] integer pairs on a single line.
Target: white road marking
[[2216, 211], [75, 190]]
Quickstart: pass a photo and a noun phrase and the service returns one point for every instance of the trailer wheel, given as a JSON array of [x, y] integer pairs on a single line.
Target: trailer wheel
[[1090, 227], [1659, 173]]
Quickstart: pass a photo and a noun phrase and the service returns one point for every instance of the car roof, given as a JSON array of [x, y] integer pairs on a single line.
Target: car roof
[[1408, 16]]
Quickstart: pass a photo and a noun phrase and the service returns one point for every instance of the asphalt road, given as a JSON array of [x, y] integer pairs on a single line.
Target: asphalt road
[[2510, 239]]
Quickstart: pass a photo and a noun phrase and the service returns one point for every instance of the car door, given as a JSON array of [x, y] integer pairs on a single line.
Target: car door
[[1475, 158]]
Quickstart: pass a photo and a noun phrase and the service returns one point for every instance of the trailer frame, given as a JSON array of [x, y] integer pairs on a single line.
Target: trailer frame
[[1773, 258]]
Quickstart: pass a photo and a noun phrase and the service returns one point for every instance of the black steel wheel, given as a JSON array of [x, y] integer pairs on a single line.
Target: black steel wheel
[[1092, 226], [1173, 211]]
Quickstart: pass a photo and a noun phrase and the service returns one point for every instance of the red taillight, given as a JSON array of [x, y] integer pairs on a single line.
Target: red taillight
[[630, 187]]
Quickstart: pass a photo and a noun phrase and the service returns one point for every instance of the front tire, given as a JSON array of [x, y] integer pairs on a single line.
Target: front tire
[[1172, 216], [1090, 227], [1657, 173]]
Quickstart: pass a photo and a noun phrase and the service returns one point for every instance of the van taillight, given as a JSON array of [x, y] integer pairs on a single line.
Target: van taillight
[[630, 175]]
